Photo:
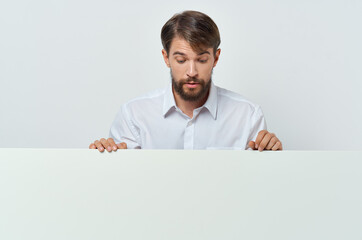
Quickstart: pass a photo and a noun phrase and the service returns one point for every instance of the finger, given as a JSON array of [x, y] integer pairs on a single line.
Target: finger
[[260, 136], [252, 145], [122, 145], [271, 143], [264, 142], [277, 146], [112, 144], [99, 145], [92, 146], [106, 144]]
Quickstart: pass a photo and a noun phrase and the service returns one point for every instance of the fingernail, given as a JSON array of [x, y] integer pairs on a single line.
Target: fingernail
[[114, 148], [109, 149], [101, 149], [256, 146]]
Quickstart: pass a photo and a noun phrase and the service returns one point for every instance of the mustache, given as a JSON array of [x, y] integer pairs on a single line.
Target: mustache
[[192, 80]]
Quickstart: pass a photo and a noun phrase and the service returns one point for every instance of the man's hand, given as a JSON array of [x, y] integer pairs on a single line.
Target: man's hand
[[266, 141], [108, 144]]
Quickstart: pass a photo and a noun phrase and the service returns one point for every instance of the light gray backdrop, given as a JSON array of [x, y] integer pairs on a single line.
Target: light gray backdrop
[[67, 66]]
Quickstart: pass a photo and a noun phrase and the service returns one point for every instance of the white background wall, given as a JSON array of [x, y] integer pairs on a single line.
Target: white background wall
[[67, 66]]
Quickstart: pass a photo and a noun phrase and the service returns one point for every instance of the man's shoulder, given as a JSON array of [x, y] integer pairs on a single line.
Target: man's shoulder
[[149, 99], [230, 97]]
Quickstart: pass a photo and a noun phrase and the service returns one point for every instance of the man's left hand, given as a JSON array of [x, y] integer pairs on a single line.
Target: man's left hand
[[266, 141]]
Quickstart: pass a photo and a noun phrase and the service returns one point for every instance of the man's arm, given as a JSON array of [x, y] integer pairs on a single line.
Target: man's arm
[[264, 140], [122, 135]]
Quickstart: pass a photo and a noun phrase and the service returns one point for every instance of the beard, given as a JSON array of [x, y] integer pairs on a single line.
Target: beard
[[191, 94]]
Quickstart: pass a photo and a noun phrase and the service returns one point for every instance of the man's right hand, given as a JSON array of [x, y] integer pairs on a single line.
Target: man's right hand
[[108, 144]]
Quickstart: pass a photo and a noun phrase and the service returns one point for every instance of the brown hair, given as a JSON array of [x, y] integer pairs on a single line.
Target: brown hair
[[198, 29]]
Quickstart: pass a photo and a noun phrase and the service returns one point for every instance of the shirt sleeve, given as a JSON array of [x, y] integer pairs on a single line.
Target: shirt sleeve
[[258, 124], [124, 130]]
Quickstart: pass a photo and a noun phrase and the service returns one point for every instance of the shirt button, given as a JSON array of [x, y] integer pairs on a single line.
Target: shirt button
[[189, 123]]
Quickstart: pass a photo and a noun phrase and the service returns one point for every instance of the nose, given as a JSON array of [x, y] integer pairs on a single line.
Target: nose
[[192, 70]]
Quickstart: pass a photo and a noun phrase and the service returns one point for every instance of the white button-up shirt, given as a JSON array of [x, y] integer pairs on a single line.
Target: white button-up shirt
[[226, 121]]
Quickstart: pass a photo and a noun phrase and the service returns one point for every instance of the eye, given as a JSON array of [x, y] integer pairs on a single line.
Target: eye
[[203, 60], [180, 61]]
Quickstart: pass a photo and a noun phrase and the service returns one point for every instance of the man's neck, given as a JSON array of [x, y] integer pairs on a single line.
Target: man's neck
[[188, 107]]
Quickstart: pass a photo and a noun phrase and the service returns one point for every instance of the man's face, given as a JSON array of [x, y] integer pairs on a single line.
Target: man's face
[[190, 71]]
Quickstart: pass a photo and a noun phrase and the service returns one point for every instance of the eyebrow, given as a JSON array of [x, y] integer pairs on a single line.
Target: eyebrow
[[183, 54]]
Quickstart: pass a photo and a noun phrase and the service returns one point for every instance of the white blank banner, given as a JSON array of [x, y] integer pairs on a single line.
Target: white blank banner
[[175, 194]]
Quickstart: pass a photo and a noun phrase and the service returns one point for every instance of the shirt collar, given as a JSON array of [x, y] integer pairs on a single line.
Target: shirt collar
[[169, 100], [210, 104]]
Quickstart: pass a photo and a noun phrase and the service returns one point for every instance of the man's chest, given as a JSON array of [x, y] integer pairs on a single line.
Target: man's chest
[[201, 132]]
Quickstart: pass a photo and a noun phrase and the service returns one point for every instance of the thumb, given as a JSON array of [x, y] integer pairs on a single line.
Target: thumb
[[122, 145], [252, 145]]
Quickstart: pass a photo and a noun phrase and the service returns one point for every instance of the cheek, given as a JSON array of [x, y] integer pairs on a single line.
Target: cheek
[[178, 70], [176, 75], [205, 70]]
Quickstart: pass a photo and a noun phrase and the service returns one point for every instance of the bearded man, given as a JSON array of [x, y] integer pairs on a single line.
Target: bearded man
[[191, 112]]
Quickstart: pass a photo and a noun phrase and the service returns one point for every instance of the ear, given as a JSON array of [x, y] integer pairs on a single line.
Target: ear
[[217, 54], [165, 57]]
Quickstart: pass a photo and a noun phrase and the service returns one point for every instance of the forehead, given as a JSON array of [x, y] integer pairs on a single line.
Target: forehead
[[181, 45]]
